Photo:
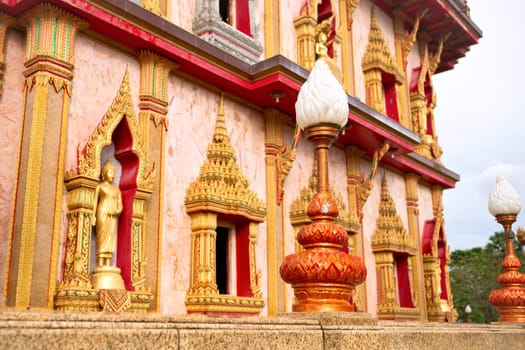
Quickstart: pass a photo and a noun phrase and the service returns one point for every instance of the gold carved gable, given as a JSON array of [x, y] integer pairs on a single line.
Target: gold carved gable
[[89, 157], [377, 55], [390, 233], [221, 187]]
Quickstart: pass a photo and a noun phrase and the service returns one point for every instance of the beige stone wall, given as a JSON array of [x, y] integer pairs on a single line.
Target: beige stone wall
[[360, 29], [413, 60], [10, 119], [181, 13], [289, 11], [99, 69]]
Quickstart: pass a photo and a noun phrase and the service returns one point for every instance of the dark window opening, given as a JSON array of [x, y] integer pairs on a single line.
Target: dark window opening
[[221, 259], [224, 10]]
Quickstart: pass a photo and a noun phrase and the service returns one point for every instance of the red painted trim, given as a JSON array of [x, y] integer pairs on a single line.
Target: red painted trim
[[403, 282], [442, 255], [242, 242], [428, 232], [391, 101], [354, 118], [458, 20], [242, 16], [128, 187], [429, 175]]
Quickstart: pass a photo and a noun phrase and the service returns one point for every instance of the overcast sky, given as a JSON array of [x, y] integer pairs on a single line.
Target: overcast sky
[[480, 121]]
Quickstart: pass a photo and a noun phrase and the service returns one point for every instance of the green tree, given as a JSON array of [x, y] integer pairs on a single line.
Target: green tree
[[474, 273]]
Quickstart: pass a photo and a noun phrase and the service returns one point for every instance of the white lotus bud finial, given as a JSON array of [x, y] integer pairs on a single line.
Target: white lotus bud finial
[[321, 99], [503, 200], [468, 309]]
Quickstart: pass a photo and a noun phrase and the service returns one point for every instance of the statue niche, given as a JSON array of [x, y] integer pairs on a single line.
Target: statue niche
[[117, 211]]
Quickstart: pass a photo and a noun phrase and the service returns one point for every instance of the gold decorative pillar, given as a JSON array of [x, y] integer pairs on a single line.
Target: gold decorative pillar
[[354, 181], [374, 90], [278, 163], [273, 145], [153, 105], [38, 201], [347, 8], [203, 236], [305, 26], [272, 28], [412, 201], [386, 283]]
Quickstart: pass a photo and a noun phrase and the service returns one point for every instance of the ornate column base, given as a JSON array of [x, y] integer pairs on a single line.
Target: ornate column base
[[322, 297], [510, 303]]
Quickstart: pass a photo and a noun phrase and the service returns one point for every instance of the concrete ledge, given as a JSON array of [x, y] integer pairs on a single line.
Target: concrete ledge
[[56, 330]]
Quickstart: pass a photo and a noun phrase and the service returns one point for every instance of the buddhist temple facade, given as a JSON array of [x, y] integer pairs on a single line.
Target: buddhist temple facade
[[193, 102]]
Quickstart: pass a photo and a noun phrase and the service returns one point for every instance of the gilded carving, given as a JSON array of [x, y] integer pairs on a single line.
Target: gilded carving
[[408, 39], [46, 70], [390, 239], [350, 7], [76, 292], [89, 157], [220, 189], [45, 21], [154, 72], [315, 36], [435, 57], [377, 55], [438, 309], [423, 104]]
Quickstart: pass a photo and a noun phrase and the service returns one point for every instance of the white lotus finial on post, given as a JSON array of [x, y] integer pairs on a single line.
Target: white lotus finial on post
[[323, 276], [504, 204], [322, 99], [503, 200]]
